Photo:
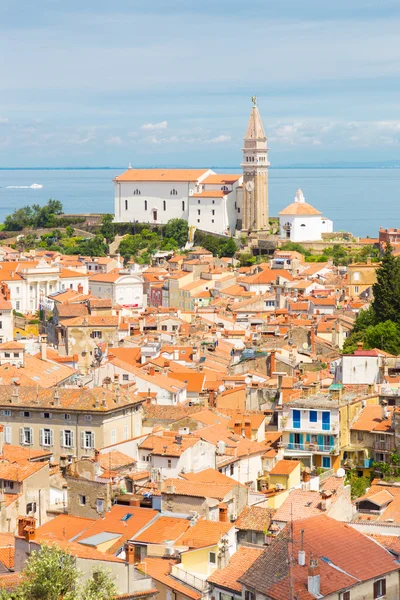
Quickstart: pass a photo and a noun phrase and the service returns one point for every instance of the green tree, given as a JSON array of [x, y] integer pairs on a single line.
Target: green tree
[[385, 336], [246, 259], [295, 247], [358, 485], [100, 586], [386, 290], [107, 228], [93, 247], [228, 249], [69, 231], [51, 574], [178, 229]]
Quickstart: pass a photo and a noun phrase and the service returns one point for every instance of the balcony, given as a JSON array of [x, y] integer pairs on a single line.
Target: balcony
[[388, 446], [192, 580], [309, 447]]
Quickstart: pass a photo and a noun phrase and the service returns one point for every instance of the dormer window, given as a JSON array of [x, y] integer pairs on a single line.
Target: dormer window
[[224, 188], [173, 192], [137, 192]]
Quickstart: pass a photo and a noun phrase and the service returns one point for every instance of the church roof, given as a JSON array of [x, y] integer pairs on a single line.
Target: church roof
[[300, 207], [255, 129], [171, 175]]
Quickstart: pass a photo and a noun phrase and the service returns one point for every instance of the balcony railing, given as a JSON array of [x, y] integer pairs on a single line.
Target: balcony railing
[[195, 582], [384, 446], [309, 447]]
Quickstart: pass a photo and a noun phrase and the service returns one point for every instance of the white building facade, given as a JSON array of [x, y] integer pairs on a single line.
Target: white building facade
[[301, 222], [206, 200]]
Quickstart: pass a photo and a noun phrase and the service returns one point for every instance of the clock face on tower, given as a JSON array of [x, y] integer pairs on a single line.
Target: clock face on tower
[[249, 186]]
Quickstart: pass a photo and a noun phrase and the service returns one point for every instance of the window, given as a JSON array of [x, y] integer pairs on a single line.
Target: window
[[356, 289], [198, 201], [7, 434], [26, 414], [238, 210], [145, 205], [137, 192], [16, 354], [169, 463], [7, 354], [231, 469], [174, 192], [125, 376], [213, 212], [96, 334], [125, 432], [30, 507], [212, 558], [45, 415], [198, 212], [198, 220], [26, 436], [88, 417], [100, 505], [326, 421], [126, 204], [346, 596], [212, 220], [1, 324], [360, 436], [6, 413], [379, 588], [164, 205], [213, 201], [296, 419], [87, 439], [46, 437], [302, 225], [249, 595], [175, 327], [183, 205], [326, 462], [17, 305], [9, 484], [113, 436], [356, 276], [313, 416], [66, 417], [164, 328], [67, 438], [82, 500]]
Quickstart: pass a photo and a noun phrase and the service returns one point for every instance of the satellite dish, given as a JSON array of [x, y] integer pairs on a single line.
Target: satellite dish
[[305, 346], [191, 192], [340, 472]]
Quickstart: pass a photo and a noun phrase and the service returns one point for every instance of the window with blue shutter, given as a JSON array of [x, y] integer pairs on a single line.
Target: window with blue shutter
[[326, 462], [297, 419], [313, 416], [326, 421]]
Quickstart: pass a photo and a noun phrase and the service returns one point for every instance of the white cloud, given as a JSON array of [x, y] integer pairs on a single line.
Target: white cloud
[[155, 126], [4, 121], [220, 139], [115, 140]]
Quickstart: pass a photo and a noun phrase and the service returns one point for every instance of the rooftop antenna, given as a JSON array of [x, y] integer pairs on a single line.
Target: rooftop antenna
[[130, 165]]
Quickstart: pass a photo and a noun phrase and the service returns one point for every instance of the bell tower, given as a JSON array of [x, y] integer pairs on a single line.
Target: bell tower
[[255, 175]]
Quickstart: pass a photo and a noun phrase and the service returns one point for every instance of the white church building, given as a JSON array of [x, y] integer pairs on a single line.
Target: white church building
[[206, 200], [301, 222]]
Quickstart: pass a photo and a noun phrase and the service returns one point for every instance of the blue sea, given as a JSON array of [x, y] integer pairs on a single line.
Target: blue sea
[[357, 200]]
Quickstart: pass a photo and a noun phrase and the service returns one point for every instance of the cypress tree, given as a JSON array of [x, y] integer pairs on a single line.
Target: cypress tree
[[386, 290]]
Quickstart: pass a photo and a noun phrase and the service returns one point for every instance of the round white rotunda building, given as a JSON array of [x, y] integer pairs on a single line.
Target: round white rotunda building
[[301, 222]]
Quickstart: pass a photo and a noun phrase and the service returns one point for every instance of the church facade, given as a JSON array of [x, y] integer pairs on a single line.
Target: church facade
[[301, 222], [209, 201]]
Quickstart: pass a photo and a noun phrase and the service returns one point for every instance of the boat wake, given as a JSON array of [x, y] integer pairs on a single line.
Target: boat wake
[[34, 186]]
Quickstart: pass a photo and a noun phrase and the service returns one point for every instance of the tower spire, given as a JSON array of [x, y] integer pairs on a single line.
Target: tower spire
[[255, 174]]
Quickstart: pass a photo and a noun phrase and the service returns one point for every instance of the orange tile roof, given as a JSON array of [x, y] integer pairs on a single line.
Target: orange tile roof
[[172, 175], [112, 522], [64, 527], [115, 460], [205, 533], [300, 208], [254, 518], [167, 445], [211, 194], [239, 563], [7, 548], [19, 471], [164, 528], [159, 569], [284, 467], [370, 419], [193, 379], [221, 178]]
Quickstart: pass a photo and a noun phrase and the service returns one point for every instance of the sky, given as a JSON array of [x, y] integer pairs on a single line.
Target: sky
[[157, 83]]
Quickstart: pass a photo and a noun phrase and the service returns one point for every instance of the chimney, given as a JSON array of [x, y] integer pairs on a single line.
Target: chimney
[[43, 350], [56, 397], [247, 430], [178, 440], [326, 500], [312, 339], [302, 555], [223, 512], [385, 412], [15, 395], [152, 371], [29, 533], [80, 288], [25, 523], [272, 362], [130, 554], [104, 401], [314, 584], [96, 456], [117, 394]]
